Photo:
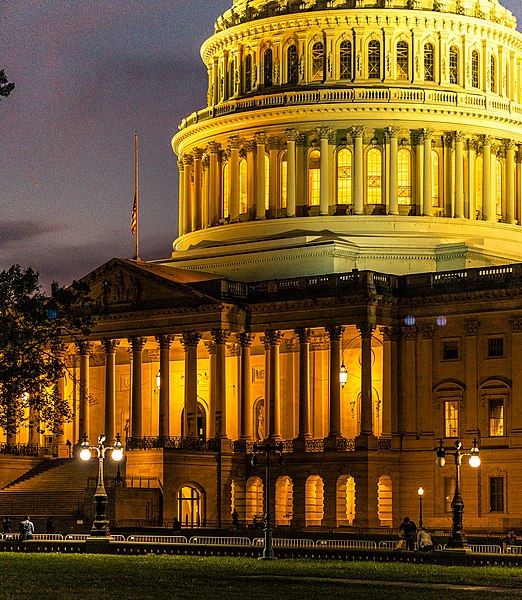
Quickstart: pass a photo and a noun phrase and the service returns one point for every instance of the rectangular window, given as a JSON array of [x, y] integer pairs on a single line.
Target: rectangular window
[[496, 417], [496, 494], [284, 181], [451, 418], [495, 347], [449, 491], [450, 350], [402, 60], [345, 61]]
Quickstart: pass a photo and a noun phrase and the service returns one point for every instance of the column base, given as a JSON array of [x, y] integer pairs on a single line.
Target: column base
[[366, 441]]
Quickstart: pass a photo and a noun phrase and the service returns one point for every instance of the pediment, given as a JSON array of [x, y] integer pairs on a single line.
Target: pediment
[[122, 285]]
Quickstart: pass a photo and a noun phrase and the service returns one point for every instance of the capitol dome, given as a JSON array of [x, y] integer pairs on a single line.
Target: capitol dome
[[341, 134]]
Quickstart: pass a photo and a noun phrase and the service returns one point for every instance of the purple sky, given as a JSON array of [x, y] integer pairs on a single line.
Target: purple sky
[[88, 74]]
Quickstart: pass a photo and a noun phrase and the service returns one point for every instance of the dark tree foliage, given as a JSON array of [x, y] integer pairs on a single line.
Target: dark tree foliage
[[5, 87], [33, 330]]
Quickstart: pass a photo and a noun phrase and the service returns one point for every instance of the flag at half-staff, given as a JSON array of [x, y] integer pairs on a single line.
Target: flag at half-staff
[[135, 208]]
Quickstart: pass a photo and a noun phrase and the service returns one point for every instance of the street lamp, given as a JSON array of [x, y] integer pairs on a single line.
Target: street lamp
[[268, 550], [457, 539], [420, 491], [100, 526]]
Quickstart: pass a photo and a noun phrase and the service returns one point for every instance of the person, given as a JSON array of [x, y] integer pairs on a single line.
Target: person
[[6, 525], [26, 529], [49, 527], [409, 531], [424, 540], [510, 540], [176, 525], [235, 520]]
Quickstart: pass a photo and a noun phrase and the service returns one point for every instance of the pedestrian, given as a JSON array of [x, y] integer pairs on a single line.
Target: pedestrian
[[424, 540], [409, 531], [26, 529], [6, 525], [235, 520], [176, 525], [49, 526], [510, 540]]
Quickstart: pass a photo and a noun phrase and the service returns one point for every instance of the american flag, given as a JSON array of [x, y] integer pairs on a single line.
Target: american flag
[[134, 219]]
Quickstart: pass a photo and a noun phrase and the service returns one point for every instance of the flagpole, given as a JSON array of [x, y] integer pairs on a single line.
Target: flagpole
[[136, 194]]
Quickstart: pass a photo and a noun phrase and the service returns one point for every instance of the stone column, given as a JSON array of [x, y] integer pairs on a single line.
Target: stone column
[[425, 422], [205, 191], [510, 181], [358, 169], [260, 179], [181, 199], [392, 136], [459, 174], [197, 198], [291, 138], [137, 344], [84, 349], [427, 175], [325, 134], [272, 340], [366, 331], [211, 349], [419, 171], [233, 190], [472, 189], [334, 333], [488, 210], [188, 209], [190, 340], [274, 146], [220, 337], [471, 376], [304, 382], [110, 388], [249, 147], [164, 342], [213, 184], [245, 406], [390, 396], [516, 397], [407, 390]]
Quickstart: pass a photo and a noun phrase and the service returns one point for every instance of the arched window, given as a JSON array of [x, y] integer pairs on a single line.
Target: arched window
[[345, 501], [374, 60], [230, 79], [344, 176], [454, 65], [499, 176], [479, 174], [284, 500], [314, 177], [374, 179], [435, 196], [404, 175], [429, 62], [267, 182], [268, 78], [226, 189], [314, 500], [243, 186], [248, 73], [292, 65], [493, 73], [190, 507], [201, 422], [254, 498], [317, 61], [284, 180], [402, 58], [345, 60], [384, 495], [475, 69]]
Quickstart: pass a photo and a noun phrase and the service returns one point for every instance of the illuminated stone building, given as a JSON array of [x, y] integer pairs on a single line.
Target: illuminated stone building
[[350, 197]]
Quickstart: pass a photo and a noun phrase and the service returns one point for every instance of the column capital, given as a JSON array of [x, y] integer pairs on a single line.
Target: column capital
[[197, 153], [303, 334], [510, 145], [233, 142], [516, 325], [391, 133], [427, 331], [190, 339], [449, 139], [110, 345], [164, 341], [460, 136], [358, 132], [272, 338], [245, 339], [213, 147], [292, 135], [486, 140], [472, 145], [390, 334], [220, 336], [84, 347], [249, 145], [137, 343], [273, 143], [365, 329], [260, 138], [472, 326], [426, 135], [409, 333], [334, 331], [181, 165], [211, 348], [187, 159], [325, 133]]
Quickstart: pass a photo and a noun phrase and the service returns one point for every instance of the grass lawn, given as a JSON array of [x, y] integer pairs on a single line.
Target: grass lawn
[[94, 576]]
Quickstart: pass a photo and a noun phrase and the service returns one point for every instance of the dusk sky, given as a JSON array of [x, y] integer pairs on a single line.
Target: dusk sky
[[89, 73]]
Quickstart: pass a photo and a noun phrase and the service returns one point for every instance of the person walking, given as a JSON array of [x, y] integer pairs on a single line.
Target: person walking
[[409, 532], [176, 525], [26, 529], [6, 525], [235, 520], [50, 527]]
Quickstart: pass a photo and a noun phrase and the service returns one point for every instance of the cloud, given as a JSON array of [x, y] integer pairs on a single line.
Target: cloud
[[24, 230]]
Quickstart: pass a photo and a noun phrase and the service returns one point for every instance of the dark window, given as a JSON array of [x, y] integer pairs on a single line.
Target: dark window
[[345, 61], [293, 65], [268, 68], [317, 61], [454, 65], [374, 60], [450, 350], [475, 69], [248, 73], [402, 60], [429, 62], [495, 346], [496, 494]]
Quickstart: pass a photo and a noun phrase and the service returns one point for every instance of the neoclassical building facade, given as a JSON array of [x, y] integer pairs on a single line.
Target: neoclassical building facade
[[346, 277]]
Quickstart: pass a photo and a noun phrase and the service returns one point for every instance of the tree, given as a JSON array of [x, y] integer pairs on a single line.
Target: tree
[[33, 330], [5, 87]]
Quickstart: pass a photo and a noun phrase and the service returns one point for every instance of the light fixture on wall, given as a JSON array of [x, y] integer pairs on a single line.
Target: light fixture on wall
[[343, 371], [158, 380]]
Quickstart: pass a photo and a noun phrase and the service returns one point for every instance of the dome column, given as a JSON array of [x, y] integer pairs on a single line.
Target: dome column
[[274, 146], [198, 188], [325, 135], [472, 184], [291, 138], [249, 147], [358, 192], [260, 172], [84, 349], [213, 183], [487, 212], [459, 174], [233, 188], [205, 190], [427, 174], [187, 195], [110, 387], [392, 138], [181, 201], [510, 181]]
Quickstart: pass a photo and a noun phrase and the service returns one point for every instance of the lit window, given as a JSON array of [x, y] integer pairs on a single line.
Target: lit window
[[402, 60], [243, 194], [404, 175], [317, 61], [475, 69], [374, 181], [496, 417], [284, 182], [429, 62], [435, 196], [374, 60], [344, 176], [454, 65], [345, 60], [479, 174], [267, 182], [314, 178], [493, 74], [268, 82], [496, 494], [292, 66], [451, 418], [498, 183], [226, 188]]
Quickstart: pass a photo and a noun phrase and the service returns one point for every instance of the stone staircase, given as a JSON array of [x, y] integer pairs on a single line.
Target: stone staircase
[[53, 488]]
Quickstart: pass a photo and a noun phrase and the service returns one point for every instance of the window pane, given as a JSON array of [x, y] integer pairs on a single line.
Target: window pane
[[374, 181], [268, 68], [475, 69], [314, 178], [435, 197], [243, 186], [317, 61], [496, 494], [374, 60], [451, 418], [496, 417], [248, 73], [454, 65], [404, 176], [284, 182], [493, 74], [450, 350], [344, 177], [429, 62], [495, 346], [292, 66], [345, 60], [402, 60]]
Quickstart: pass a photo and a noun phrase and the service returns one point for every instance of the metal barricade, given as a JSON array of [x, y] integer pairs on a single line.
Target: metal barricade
[[160, 539], [220, 541], [286, 543], [355, 544]]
